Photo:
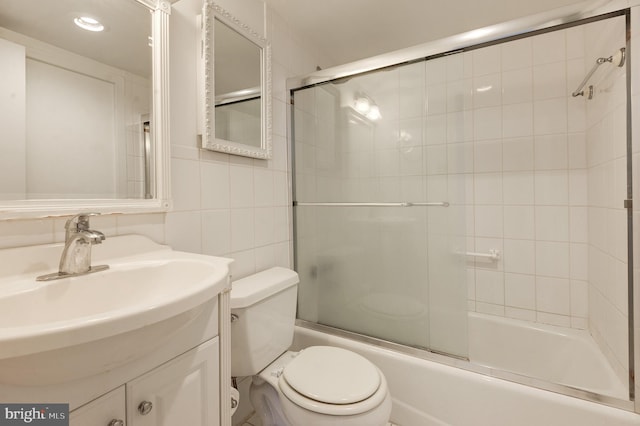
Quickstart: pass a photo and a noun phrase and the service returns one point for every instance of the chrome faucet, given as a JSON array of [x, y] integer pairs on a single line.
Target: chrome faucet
[[76, 255]]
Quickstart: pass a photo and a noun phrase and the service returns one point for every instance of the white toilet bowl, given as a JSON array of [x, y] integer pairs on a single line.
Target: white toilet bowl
[[321, 386]]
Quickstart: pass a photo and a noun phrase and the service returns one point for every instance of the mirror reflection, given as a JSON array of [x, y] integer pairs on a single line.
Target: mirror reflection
[[237, 87], [75, 100]]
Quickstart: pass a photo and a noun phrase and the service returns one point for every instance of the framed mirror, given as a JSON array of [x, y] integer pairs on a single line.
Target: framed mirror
[[236, 86], [83, 107]]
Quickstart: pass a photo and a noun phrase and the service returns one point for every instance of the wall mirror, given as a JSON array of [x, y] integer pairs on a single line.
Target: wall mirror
[[236, 86], [83, 106]]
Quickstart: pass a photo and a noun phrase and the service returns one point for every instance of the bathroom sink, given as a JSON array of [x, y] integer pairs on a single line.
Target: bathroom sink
[[53, 331]]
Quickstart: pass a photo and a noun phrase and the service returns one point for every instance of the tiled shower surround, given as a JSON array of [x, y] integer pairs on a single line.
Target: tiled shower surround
[[554, 204], [533, 172]]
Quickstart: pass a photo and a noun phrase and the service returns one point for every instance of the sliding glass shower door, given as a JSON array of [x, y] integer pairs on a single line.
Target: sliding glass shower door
[[379, 217], [476, 204]]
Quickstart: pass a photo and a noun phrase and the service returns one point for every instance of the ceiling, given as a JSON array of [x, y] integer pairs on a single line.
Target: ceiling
[[342, 30], [348, 30]]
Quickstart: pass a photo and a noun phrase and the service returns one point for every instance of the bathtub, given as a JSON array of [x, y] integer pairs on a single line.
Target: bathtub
[[553, 354], [426, 392]]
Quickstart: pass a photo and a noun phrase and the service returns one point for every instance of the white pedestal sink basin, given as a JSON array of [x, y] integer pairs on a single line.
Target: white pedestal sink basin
[[75, 327]]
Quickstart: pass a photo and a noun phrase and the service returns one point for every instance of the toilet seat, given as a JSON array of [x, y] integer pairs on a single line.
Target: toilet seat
[[330, 380], [332, 375]]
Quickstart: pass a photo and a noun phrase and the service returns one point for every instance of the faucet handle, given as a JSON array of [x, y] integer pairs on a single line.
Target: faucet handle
[[80, 221]]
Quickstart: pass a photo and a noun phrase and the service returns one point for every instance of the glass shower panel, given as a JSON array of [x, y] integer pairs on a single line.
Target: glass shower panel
[[474, 205], [376, 239]]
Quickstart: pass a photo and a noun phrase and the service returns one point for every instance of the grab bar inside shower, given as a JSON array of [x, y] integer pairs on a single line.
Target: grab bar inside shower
[[400, 204], [618, 58], [493, 255]]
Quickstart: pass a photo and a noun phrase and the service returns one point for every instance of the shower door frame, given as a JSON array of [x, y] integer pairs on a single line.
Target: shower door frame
[[556, 19]]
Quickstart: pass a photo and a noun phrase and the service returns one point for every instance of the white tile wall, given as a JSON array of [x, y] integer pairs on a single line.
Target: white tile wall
[[554, 208], [535, 205]]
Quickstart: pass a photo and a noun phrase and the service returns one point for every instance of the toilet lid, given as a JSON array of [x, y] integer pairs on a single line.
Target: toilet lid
[[332, 375]]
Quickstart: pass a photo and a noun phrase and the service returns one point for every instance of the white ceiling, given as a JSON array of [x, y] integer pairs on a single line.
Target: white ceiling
[[343, 30], [348, 30]]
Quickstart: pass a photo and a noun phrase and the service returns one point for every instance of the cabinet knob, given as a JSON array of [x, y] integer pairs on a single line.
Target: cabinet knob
[[116, 422], [145, 407]]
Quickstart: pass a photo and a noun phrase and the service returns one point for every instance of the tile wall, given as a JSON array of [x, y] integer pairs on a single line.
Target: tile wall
[[527, 196], [545, 180], [533, 185]]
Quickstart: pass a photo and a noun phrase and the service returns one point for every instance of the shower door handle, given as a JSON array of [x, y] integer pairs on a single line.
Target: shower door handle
[[399, 204]]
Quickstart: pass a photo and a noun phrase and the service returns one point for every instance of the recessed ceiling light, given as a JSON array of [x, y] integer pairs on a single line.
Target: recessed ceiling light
[[89, 24]]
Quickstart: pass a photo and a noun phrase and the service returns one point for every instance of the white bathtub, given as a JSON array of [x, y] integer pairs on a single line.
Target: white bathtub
[[553, 354], [429, 393]]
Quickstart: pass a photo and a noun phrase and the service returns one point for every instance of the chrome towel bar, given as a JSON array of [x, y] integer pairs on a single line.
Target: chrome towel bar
[[617, 58]]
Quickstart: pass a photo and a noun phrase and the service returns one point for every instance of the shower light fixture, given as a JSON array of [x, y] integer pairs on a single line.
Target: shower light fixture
[[88, 23], [374, 113], [365, 106], [362, 105]]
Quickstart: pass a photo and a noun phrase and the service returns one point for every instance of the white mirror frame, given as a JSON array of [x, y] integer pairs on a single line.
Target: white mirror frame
[[24, 209], [211, 12]]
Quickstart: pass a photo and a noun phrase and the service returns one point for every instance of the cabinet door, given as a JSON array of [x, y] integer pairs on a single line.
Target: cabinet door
[[107, 410], [184, 391]]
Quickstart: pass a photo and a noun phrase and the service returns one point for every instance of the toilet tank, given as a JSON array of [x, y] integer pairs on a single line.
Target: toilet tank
[[263, 309]]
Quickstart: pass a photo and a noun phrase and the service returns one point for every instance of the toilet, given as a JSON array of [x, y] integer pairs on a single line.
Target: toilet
[[318, 386]]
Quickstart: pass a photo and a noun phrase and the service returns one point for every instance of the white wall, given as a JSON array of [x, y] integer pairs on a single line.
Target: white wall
[[12, 121], [71, 117]]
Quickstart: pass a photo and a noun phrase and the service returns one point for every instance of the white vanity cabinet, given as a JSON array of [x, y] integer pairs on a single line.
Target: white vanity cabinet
[[107, 410], [183, 391]]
